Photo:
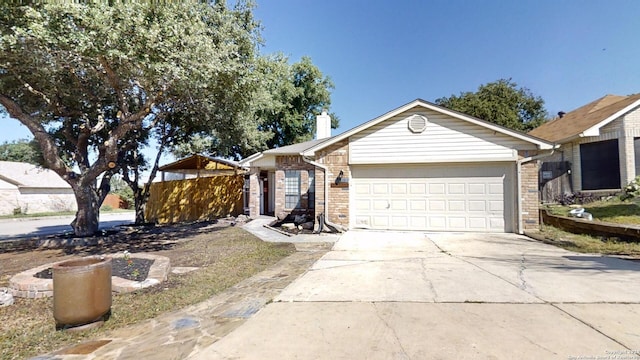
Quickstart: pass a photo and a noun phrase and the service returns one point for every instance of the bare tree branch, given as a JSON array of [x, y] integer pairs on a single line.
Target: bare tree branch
[[99, 126], [46, 142], [31, 89], [116, 84]]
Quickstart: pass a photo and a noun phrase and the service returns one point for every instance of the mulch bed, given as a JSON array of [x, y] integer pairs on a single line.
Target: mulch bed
[[134, 269]]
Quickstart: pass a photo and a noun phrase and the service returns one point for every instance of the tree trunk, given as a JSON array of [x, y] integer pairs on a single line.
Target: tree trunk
[[140, 201], [88, 200], [140, 206]]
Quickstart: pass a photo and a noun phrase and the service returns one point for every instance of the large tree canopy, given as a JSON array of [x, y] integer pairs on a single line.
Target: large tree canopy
[[292, 96], [91, 80], [284, 104], [501, 102], [21, 151]]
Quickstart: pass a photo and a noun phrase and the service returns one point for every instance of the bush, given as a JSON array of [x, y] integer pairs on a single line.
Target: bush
[[576, 198], [126, 194], [106, 208], [632, 189]]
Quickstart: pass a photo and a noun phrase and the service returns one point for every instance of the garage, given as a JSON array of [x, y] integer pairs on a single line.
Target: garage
[[417, 167], [437, 197]]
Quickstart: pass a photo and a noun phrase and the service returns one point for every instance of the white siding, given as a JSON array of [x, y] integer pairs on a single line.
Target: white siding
[[445, 139], [267, 161]]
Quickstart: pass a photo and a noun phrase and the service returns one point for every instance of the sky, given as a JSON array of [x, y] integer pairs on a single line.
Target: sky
[[384, 54]]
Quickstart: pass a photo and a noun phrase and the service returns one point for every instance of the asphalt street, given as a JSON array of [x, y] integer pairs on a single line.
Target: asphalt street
[[26, 227]]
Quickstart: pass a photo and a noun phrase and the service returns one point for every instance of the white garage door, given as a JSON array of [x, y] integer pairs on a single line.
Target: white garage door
[[455, 197]]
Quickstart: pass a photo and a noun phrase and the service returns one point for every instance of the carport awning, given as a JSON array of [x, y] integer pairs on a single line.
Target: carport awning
[[202, 164]]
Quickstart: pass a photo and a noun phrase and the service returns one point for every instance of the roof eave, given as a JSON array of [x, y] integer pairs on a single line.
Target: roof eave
[[11, 181], [540, 143], [45, 187], [311, 151], [248, 160], [595, 129]]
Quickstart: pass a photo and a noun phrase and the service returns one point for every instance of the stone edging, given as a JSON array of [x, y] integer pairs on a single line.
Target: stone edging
[[581, 226], [26, 285]]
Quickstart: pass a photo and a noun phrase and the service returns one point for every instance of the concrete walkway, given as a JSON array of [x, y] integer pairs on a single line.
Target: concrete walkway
[[384, 295], [258, 228]]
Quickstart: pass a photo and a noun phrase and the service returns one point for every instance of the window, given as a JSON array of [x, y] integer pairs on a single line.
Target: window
[[636, 149], [600, 165], [312, 189], [245, 194], [291, 189]]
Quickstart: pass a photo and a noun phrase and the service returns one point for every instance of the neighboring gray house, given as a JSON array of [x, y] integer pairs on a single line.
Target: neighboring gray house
[[417, 167], [599, 145], [31, 189]]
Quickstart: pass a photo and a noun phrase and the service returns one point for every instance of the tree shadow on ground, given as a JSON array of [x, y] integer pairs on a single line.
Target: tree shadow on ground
[[133, 238]]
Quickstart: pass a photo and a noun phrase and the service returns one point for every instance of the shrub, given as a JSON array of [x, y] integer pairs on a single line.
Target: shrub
[[576, 198], [106, 208], [632, 189]]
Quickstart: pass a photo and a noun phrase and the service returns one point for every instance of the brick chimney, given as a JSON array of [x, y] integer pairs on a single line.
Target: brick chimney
[[323, 126]]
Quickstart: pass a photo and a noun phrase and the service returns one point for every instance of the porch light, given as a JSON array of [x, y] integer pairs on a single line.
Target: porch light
[[339, 178]]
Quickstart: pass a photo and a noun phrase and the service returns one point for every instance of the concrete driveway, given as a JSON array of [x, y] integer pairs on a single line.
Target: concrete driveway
[[391, 295]]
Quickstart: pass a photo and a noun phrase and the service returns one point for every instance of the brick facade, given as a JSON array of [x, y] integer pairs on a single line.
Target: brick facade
[[336, 158], [529, 194], [625, 129], [254, 192], [292, 162], [630, 131]]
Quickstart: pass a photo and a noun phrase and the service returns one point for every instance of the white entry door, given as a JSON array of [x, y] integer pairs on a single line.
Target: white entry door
[[443, 197]]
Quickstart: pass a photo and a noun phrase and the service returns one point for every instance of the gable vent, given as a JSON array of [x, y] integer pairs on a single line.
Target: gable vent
[[417, 123]]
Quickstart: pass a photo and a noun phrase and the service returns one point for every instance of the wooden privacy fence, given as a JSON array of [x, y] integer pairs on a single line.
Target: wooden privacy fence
[[555, 180], [202, 198]]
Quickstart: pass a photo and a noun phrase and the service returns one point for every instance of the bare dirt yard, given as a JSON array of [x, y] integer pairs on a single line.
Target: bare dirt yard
[[224, 255]]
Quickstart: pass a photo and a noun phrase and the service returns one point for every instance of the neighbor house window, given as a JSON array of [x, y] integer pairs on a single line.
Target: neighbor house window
[[291, 189], [636, 150], [600, 165], [312, 189]]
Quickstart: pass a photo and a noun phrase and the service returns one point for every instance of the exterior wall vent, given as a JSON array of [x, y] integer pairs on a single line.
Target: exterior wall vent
[[417, 123]]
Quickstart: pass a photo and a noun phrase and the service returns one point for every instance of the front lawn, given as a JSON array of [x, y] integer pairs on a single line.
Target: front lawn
[[611, 211], [588, 244], [224, 256]]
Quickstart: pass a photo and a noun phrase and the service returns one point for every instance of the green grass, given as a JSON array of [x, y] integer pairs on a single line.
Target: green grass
[[611, 211], [588, 244]]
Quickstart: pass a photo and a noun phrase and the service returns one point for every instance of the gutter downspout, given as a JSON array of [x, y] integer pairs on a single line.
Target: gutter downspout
[[519, 181], [326, 193]]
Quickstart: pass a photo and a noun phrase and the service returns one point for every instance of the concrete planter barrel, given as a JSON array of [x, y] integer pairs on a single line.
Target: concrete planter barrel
[[81, 292]]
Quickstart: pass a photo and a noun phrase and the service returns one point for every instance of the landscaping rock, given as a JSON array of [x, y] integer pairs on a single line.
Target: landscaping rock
[[6, 298]]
